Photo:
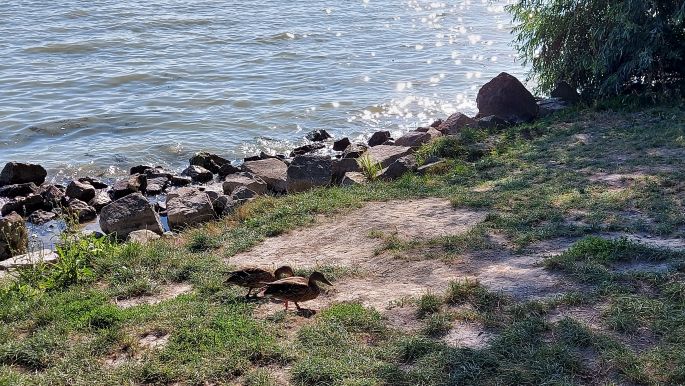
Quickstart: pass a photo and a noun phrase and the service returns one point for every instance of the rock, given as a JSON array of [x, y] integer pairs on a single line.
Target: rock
[[252, 158], [434, 133], [188, 206], [198, 174], [45, 256], [97, 184], [399, 167], [272, 171], [565, 92], [342, 166], [82, 211], [140, 169], [341, 144], [209, 161], [423, 129], [505, 97], [158, 172], [306, 149], [81, 191], [354, 151], [99, 201], [308, 171], [21, 173], [318, 135], [40, 217], [23, 205], [248, 180], [53, 196], [550, 106], [455, 123], [378, 138], [413, 139], [14, 237], [181, 180], [127, 214], [17, 190], [389, 142], [353, 178], [156, 185], [436, 123], [387, 154], [227, 169], [242, 193], [492, 122], [142, 236], [135, 183], [224, 205]]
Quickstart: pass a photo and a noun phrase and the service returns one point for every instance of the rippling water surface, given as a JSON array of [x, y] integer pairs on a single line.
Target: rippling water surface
[[93, 87]]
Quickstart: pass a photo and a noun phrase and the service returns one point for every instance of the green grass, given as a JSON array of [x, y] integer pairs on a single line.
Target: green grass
[[60, 324]]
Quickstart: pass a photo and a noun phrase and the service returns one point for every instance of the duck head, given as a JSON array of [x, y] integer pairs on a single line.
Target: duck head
[[283, 272], [318, 277]]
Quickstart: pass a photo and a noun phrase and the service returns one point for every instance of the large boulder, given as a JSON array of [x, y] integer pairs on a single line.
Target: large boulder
[[309, 171], [271, 170], [80, 191], [387, 154], [413, 139], [209, 161], [135, 183], [505, 97], [22, 173], [17, 190], [23, 205], [250, 181], [379, 138], [188, 206], [198, 174], [318, 135], [130, 213], [14, 237], [455, 123]]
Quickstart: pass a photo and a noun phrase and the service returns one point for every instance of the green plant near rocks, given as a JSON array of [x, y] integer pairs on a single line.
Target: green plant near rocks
[[370, 167]]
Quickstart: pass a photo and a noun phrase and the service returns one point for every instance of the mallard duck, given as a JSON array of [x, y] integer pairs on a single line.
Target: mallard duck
[[296, 289], [256, 277]]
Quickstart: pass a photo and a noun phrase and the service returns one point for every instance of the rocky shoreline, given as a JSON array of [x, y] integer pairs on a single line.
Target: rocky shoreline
[[153, 201]]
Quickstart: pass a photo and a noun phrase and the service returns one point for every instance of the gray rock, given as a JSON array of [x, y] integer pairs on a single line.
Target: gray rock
[[198, 174], [100, 200], [318, 135], [140, 169], [243, 193], [248, 180], [127, 214], [53, 196], [22, 173], [17, 190], [41, 217], [135, 183], [23, 205], [455, 123], [272, 171], [14, 237], [398, 168], [227, 169], [342, 166], [156, 185], [341, 144], [82, 211], [224, 205], [378, 138], [434, 133], [387, 154], [181, 180], [158, 172], [308, 171], [44, 256], [80, 191], [353, 178], [188, 206], [306, 149], [97, 184], [354, 151], [413, 139], [209, 161], [505, 97], [142, 236]]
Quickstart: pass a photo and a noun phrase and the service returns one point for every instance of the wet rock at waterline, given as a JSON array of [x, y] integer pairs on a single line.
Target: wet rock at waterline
[[181, 180], [127, 214], [81, 211], [198, 174], [41, 217], [308, 171], [379, 138], [97, 184], [53, 196], [341, 144], [312, 147], [23, 205], [455, 123], [272, 171], [505, 97], [80, 191], [227, 169], [354, 151], [16, 190], [188, 206], [156, 185], [318, 135], [135, 183], [14, 237], [22, 173], [245, 179], [209, 161]]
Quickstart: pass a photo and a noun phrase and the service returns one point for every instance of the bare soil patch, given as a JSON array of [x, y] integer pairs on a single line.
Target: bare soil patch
[[166, 292]]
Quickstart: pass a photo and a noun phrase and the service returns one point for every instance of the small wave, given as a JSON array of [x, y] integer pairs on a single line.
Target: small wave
[[279, 37], [135, 77], [58, 127], [62, 48]]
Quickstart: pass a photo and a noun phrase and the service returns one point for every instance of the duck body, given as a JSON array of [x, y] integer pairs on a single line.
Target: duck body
[[296, 289], [253, 278]]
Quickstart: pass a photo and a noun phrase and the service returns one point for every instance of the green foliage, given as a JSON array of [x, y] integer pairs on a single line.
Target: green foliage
[[370, 167], [427, 304], [602, 47], [467, 146]]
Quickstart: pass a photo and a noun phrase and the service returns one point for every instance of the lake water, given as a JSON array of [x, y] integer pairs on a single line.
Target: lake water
[[96, 86]]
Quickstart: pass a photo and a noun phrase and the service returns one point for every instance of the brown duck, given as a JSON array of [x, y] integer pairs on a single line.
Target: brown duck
[[296, 289], [257, 278]]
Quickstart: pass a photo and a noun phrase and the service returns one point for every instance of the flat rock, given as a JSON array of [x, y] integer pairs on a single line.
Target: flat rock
[[80, 190], [30, 259], [273, 171], [22, 173], [130, 213], [97, 184], [17, 190], [188, 206], [156, 185], [100, 200], [14, 236], [243, 193], [354, 151], [387, 154], [304, 149], [248, 180], [181, 180], [308, 171], [413, 139]]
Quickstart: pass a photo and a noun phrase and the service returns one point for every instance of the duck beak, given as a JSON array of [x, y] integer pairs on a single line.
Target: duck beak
[[327, 282]]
